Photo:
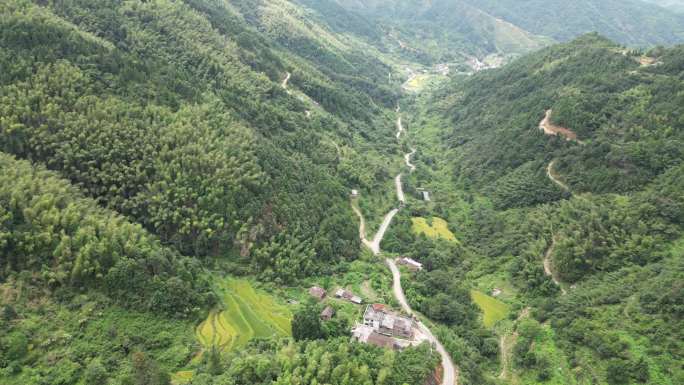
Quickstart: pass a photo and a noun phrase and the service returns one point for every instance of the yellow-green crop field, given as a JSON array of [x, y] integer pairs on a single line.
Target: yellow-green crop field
[[246, 314], [419, 82], [493, 310], [439, 228]]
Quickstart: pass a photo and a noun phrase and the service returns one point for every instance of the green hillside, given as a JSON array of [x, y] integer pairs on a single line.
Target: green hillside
[[630, 22], [444, 30], [175, 175], [676, 5], [611, 240]]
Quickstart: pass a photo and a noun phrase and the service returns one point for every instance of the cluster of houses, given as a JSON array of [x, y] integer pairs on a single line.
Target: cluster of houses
[[381, 326], [384, 328], [442, 69], [328, 312]]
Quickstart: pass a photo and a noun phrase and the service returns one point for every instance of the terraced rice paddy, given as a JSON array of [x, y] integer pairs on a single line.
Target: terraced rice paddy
[[493, 310], [438, 228], [246, 314]]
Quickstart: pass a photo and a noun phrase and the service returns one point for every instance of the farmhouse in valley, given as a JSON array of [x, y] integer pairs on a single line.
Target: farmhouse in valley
[[327, 313], [411, 263], [349, 296], [382, 327], [365, 334], [386, 322], [317, 292]]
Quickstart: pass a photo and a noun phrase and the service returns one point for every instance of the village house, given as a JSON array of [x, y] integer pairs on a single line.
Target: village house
[[412, 264], [424, 194], [365, 334], [317, 292], [355, 193], [349, 296], [327, 313], [385, 322]]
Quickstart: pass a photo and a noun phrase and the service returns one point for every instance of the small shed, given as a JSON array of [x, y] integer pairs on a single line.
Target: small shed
[[355, 193], [317, 292], [411, 263], [327, 313], [349, 296], [426, 196]]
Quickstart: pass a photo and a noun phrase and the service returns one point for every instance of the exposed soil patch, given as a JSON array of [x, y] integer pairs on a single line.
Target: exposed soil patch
[[551, 129]]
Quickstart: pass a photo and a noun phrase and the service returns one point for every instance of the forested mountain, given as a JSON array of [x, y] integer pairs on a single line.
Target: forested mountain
[[445, 30], [630, 22], [175, 175], [676, 5], [188, 130], [600, 213], [222, 133]]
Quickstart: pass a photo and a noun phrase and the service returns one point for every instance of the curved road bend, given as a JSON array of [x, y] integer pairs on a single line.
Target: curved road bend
[[400, 127], [407, 159], [548, 269], [287, 78], [549, 173]]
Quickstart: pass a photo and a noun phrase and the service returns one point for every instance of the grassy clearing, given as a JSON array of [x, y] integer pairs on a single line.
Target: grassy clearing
[[246, 314], [561, 373], [438, 228], [182, 377], [493, 310], [419, 82]]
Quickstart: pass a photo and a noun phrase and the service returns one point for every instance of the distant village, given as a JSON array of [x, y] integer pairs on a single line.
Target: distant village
[[380, 326]]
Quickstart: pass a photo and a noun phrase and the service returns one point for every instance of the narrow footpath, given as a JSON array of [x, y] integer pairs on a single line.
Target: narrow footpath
[[554, 179], [287, 79], [548, 268], [407, 160], [450, 375]]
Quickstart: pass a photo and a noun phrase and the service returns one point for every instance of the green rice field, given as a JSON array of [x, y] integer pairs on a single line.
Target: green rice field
[[246, 313], [493, 310]]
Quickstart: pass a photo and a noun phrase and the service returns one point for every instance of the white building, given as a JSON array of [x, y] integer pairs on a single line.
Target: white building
[[384, 322], [410, 263]]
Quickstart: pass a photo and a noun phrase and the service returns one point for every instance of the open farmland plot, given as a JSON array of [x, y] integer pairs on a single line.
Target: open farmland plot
[[246, 314], [493, 310], [438, 228]]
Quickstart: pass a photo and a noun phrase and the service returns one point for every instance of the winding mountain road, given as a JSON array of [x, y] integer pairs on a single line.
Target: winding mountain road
[[400, 127], [450, 371], [407, 159], [549, 173], [287, 79], [400, 190], [548, 268]]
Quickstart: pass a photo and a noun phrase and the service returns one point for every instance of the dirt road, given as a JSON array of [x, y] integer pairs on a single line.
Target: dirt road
[[549, 173], [400, 127], [407, 159], [287, 78], [548, 268], [374, 245], [450, 375], [400, 190]]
